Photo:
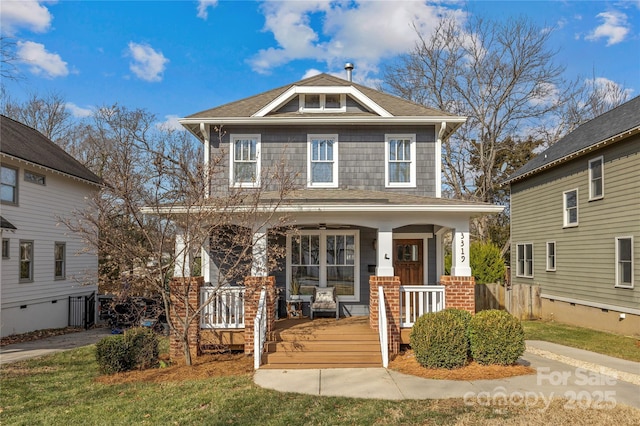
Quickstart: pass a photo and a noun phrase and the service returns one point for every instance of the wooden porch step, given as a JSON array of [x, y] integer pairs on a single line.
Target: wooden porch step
[[323, 346], [335, 359]]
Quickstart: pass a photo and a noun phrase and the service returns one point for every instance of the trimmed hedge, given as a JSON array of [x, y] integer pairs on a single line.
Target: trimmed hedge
[[136, 349], [496, 337], [439, 340]]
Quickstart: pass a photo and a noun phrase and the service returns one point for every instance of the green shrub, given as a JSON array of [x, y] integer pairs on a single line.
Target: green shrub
[[496, 337], [439, 340], [137, 348], [142, 347], [112, 354], [486, 262]]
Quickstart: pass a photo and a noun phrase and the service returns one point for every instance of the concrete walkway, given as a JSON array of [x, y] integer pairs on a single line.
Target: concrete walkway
[[36, 348], [584, 378]]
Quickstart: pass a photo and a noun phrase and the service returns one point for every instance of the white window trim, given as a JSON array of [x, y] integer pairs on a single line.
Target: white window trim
[[593, 160], [555, 256], [323, 108], [412, 171], [310, 183], [617, 239], [565, 213], [523, 273], [323, 260], [232, 162]]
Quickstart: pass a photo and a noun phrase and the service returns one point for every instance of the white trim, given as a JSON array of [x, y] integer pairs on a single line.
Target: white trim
[[617, 284], [320, 119], [555, 256], [323, 261], [523, 274], [49, 169], [297, 90], [591, 304], [593, 160], [232, 140], [565, 212], [424, 236], [334, 183], [413, 163], [322, 104], [437, 159]]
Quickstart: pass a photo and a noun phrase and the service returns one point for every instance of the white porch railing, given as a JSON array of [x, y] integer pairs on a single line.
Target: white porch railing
[[225, 308], [382, 328], [260, 330], [416, 300]]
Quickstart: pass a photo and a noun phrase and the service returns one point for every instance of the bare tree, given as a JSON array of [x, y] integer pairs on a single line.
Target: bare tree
[[155, 186], [8, 58]]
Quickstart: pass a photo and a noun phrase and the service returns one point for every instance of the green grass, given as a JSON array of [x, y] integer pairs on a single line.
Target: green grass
[[61, 390], [583, 338]]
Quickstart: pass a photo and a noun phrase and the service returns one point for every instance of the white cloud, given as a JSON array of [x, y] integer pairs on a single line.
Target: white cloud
[[614, 28], [351, 32], [311, 72], [148, 64], [545, 94], [203, 5], [26, 14], [49, 65], [170, 123], [77, 111], [608, 90]]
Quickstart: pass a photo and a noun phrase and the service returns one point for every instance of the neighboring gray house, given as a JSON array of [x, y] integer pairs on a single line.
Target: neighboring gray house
[[575, 223], [48, 279], [369, 186]]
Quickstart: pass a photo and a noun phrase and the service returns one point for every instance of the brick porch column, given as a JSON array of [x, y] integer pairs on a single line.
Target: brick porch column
[[184, 291], [391, 287], [459, 292], [253, 287]]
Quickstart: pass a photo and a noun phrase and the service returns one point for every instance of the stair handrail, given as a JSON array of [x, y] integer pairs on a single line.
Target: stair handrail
[[260, 330], [382, 328]]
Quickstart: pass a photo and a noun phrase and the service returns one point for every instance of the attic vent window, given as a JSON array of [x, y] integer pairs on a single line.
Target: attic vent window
[[324, 102]]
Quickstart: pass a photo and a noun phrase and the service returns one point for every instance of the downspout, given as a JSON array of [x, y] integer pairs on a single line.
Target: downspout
[[438, 159], [204, 130]]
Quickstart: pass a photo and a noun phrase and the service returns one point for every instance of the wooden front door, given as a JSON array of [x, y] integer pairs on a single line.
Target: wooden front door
[[408, 261]]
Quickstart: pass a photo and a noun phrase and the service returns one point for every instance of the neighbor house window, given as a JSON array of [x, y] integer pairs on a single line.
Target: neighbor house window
[[624, 262], [245, 160], [524, 260], [596, 178], [571, 208], [26, 261], [9, 189], [325, 259], [322, 166], [400, 157], [5, 248], [551, 255], [34, 178], [59, 254]]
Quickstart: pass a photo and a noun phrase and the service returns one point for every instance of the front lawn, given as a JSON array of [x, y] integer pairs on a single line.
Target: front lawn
[[63, 389], [584, 338]]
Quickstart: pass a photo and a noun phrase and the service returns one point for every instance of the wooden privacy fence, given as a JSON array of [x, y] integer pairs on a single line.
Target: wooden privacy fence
[[520, 300]]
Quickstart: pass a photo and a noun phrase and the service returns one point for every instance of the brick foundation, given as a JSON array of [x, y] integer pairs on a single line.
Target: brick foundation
[[459, 292], [391, 287], [185, 294], [253, 287]]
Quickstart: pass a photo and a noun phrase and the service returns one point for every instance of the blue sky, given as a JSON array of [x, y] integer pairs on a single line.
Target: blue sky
[[175, 58]]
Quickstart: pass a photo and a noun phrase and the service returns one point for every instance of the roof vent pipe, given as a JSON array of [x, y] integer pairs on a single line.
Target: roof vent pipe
[[349, 68]]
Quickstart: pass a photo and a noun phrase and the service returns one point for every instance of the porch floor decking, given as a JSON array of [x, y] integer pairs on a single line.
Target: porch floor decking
[[323, 343]]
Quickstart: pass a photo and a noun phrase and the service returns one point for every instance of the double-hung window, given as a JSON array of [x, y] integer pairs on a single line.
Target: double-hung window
[[26, 261], [245, 161], [400, 158], [551, 255], [570, 202], [624, 262], [9, 182], [6, 254], [324, 259], [322, 166], [524, 255], [596, 178], [59, 254]]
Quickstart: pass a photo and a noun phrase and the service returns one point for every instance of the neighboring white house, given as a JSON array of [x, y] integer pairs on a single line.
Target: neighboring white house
[[48, 278]]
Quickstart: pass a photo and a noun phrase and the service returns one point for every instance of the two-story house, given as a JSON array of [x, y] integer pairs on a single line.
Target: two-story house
[[575, 223], [48, 278]]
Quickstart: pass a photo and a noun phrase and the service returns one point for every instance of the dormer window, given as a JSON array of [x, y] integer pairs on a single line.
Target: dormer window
[[323, 102]]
